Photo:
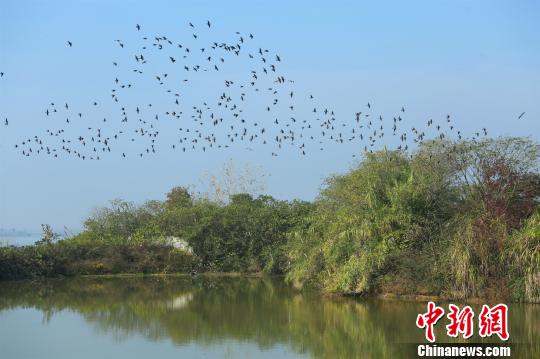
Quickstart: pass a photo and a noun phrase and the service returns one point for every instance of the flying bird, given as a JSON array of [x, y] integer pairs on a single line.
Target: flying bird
[[220, 106]]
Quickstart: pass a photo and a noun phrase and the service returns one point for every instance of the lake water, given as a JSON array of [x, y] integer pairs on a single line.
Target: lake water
[[215, 317], [19, 240]]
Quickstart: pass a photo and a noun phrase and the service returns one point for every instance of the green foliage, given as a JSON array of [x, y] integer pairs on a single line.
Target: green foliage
[[79, 256], [365, 219], [474, 257], [437, 221], [523, 255], [178, 197], [245, 235], [119, 222], [499, 190], [457, 219]]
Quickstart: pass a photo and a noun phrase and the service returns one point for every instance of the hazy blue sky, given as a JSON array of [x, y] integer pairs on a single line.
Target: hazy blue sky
[[478, 60]]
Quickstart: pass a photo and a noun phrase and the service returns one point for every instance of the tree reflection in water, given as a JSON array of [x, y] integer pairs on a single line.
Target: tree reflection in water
[[207, 310]]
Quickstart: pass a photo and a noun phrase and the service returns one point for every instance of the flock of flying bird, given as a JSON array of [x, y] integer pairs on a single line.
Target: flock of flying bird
[[260, 108]]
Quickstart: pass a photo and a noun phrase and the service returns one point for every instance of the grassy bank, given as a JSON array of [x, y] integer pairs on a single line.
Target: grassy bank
[[457, 220]]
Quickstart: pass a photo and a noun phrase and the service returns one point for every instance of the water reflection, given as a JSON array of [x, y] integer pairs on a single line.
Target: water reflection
[[209, 310]]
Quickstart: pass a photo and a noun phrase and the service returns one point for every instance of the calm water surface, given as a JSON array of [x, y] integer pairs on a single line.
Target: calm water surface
[[213, 317]]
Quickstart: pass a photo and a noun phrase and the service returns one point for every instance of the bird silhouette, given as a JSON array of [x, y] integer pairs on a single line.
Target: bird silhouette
[[249, 84]]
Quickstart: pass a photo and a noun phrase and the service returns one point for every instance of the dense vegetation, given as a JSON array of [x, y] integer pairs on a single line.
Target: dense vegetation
[[455, 219], [76, 257]]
